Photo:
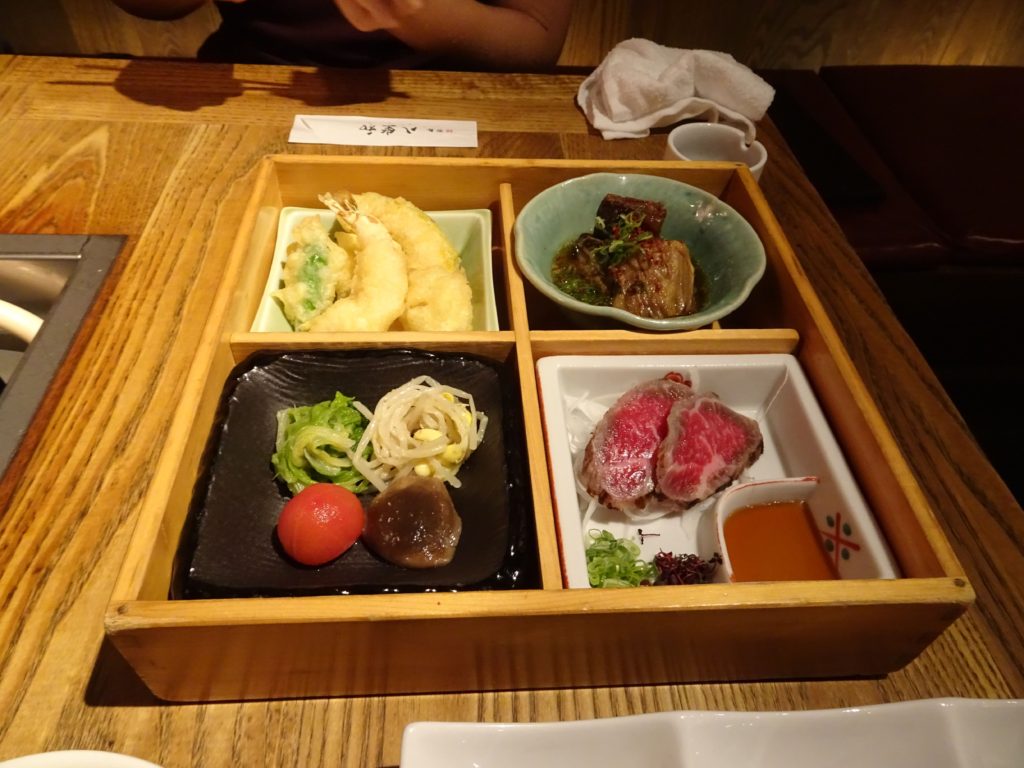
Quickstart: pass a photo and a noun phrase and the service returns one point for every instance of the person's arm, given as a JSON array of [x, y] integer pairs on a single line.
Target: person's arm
[[505, 35]]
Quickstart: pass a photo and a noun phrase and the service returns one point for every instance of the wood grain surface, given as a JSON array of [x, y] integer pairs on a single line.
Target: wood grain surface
[[165, 153]]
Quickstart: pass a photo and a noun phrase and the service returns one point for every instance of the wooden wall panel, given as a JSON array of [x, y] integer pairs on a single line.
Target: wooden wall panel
[[770, 34], [812, 33], [989, 32]]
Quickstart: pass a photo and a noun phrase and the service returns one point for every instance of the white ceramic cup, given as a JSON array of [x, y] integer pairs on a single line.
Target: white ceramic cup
[[715, 141]]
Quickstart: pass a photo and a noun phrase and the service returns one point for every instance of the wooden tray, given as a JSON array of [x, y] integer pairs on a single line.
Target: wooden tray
[[551, 636]]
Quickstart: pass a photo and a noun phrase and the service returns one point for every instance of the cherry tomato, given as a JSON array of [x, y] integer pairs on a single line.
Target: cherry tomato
[[320, 523]]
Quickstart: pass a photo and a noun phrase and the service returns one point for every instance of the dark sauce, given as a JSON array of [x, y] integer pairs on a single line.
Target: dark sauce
[[571, 279]]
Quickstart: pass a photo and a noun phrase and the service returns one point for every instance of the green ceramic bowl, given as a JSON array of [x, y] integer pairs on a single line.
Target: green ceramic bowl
[[724, 247]]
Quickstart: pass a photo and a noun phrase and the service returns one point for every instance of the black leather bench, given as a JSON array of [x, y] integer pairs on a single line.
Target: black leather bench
[[922, 167]]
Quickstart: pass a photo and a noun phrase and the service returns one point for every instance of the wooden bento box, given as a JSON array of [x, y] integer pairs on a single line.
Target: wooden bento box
[[546, 636]]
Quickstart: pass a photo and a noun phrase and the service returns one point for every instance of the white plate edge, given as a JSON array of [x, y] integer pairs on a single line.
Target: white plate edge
[[419, 731]]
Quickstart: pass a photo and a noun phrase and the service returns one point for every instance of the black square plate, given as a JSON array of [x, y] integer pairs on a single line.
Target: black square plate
[[229, 549]]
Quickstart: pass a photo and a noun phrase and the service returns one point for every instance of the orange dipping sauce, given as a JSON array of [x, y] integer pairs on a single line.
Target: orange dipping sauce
[[776, 542]]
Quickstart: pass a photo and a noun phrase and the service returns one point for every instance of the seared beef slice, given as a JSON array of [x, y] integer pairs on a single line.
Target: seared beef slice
[[707, 447], [618, 465]]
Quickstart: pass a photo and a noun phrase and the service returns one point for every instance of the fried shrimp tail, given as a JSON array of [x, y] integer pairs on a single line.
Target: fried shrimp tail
[[439, 298], [379, 282]]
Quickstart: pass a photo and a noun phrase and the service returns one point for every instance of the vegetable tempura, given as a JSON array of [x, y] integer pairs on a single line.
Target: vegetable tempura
[[316, 272]]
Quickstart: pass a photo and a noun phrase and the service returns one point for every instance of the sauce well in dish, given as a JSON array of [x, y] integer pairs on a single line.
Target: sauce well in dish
[[776, 542]]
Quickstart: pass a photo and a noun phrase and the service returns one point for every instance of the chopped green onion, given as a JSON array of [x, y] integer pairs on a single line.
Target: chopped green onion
[[613, 562], [622, 238]]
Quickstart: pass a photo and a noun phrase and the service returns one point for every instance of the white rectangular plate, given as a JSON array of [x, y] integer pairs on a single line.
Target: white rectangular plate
[[469, 232], [931, 733], [577, 390]]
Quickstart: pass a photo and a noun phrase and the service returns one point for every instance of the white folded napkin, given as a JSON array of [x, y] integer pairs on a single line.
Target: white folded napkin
[[642, 85]]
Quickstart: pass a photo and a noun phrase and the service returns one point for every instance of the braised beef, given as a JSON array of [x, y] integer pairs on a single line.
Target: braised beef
[[658, 281], [625, 263], [614, 207]]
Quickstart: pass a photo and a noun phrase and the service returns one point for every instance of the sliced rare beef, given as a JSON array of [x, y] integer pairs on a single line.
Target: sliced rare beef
[[657, 281], [661, 441], [613, 207], [708, 445], [618, 464]]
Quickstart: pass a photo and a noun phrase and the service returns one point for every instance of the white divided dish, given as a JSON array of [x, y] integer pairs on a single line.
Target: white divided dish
[[469, 232], [931, 733], [772, 389]]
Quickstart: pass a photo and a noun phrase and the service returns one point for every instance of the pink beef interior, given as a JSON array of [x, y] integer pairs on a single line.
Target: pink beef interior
[[707, 447], [618, 467]]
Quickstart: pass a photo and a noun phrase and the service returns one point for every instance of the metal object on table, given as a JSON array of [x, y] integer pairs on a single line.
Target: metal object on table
[[56, 277]]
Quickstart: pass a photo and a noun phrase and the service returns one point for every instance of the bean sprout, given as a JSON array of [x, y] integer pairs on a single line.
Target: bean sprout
[[421, 426]]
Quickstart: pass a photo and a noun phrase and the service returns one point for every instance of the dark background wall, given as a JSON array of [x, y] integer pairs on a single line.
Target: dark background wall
[[770, 34]]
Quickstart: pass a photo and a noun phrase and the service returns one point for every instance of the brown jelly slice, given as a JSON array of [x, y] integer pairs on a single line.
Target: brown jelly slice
[[413, 523]]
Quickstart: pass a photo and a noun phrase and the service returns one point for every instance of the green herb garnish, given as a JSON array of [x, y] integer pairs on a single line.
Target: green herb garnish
[[613, 562], [622, 238], [568, 279]]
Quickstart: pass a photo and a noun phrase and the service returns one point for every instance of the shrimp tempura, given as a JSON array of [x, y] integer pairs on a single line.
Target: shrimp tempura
[[439, 298], [379, 284]]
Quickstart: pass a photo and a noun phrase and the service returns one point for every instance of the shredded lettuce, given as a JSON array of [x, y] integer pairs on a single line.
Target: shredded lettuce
[[613, 562], [315, 445]]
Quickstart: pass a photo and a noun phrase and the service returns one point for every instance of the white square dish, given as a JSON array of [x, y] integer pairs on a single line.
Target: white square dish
[[770, 388], [469, 231]]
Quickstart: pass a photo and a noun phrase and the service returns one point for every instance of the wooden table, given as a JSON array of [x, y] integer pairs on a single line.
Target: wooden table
[[164, 153]]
